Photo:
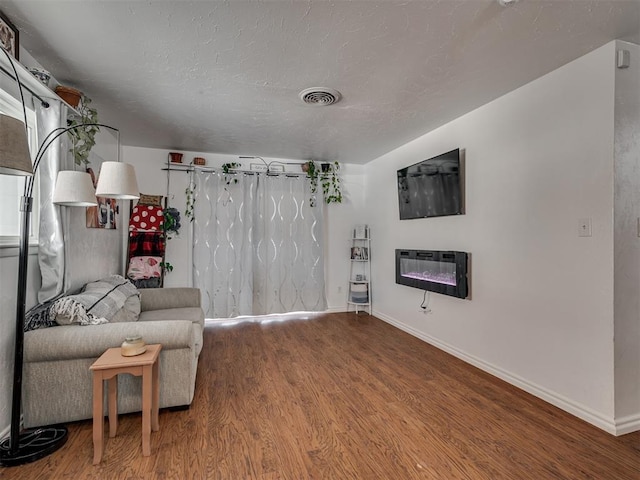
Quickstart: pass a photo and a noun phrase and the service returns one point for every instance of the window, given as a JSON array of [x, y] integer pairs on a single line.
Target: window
[[11, 187]]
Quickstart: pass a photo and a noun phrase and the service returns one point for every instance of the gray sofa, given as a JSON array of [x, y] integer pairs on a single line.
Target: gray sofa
[[57, 382]]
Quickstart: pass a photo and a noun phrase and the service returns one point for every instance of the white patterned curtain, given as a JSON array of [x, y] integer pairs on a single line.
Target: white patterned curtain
[[257, 245], [51, 251]]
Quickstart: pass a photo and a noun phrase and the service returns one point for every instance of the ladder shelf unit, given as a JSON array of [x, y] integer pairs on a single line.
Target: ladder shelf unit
[[359, 294]]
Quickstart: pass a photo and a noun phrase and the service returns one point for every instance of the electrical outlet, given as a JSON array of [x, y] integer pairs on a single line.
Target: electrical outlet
[[584, 227]]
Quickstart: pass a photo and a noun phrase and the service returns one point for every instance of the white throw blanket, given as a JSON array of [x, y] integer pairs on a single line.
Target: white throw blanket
[[96, 304]]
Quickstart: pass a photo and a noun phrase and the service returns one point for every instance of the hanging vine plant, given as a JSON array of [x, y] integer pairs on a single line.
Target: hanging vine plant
[[83, 138], [331, 188], [190, 193], [328, 176]]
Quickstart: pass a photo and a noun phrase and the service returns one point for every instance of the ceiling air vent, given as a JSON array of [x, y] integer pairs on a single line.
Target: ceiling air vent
[[320, 96]]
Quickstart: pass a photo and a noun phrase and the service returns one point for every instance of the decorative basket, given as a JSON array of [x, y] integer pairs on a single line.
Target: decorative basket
[[175, 157], [69, 95], [199, 161]]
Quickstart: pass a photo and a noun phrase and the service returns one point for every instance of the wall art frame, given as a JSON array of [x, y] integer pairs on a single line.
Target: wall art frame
[[9, 37]]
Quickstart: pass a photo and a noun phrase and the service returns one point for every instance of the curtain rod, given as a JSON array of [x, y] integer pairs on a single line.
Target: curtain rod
[[26, 87], [191, 168]]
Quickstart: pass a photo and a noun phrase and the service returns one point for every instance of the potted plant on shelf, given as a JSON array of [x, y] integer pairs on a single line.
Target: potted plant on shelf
[[311, 169], [328, 175], [331, 188], [70, 95], [83, 139]]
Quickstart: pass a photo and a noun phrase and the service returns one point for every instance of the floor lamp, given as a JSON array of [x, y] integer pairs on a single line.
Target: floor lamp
[[116, 180]]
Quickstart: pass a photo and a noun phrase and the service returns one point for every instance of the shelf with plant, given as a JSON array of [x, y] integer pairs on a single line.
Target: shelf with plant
[[229, 169]]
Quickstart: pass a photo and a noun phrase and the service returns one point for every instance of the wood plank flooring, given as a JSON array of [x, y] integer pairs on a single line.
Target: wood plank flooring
[[345, 397]]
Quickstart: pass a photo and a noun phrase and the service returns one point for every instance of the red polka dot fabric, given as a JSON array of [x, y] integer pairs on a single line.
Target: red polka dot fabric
[[146, 218]]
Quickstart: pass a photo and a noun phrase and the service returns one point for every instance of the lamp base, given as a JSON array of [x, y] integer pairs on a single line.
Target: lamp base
[[34, 444]]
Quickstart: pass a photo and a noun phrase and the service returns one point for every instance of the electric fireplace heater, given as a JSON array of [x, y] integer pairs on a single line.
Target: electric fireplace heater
[[433, 270]]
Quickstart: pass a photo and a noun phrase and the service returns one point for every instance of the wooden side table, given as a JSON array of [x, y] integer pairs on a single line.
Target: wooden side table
[[107, 367]]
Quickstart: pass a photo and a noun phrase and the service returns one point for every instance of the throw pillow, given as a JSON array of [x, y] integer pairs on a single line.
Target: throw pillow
[[96, 304], [130, 311]]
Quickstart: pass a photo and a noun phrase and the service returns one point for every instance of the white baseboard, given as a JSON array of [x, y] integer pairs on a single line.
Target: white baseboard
[[621, 426], [341, 309], [628, 424]]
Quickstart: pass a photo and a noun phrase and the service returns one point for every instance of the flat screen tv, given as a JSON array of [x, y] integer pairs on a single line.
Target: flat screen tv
[[431, 188]]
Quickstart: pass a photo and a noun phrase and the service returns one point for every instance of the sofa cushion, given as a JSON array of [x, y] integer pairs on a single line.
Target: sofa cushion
[[69, 342], [193, 314]]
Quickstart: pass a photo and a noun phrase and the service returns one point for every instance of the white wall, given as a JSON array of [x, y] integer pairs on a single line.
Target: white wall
[[94, 253], [541, 308], [627, 243], [340, 218]]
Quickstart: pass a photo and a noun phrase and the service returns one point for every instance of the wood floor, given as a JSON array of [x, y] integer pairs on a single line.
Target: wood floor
[[345, 397]]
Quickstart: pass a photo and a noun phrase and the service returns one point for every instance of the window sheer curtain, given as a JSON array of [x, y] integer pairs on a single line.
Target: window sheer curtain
[[258, 245], [51, 251]]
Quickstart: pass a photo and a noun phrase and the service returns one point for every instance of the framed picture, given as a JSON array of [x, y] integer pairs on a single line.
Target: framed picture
[[104, 214], [9, 36]]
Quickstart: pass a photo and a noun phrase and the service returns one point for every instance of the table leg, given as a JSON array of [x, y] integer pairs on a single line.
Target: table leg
[[113, 405], [98, 418], [147, 393], [155, 402]]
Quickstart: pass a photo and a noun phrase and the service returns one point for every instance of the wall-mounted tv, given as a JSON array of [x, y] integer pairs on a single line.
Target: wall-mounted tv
[[431, 188]]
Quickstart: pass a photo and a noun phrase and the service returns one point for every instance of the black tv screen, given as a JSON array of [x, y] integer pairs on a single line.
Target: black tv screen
[[431, 188]]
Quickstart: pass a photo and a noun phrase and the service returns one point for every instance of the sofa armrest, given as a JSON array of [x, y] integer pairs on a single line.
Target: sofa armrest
[[74, 341], [164, 298]]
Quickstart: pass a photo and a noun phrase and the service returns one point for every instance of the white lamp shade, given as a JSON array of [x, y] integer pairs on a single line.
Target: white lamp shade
[[15, 158], [74, 189], [117, 180]]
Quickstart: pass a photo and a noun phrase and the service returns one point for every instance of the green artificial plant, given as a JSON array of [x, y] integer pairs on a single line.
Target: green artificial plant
[[171, 224], [331, 184], [228, 170], [83, 138]]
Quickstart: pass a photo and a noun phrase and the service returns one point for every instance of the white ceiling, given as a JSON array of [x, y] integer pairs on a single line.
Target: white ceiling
[[224, 76]]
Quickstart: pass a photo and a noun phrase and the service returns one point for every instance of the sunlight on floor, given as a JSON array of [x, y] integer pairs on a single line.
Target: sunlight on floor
[[262, 319]]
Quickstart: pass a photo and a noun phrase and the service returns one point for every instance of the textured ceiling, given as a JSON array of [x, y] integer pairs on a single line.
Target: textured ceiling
[[224, 76]]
